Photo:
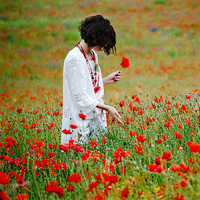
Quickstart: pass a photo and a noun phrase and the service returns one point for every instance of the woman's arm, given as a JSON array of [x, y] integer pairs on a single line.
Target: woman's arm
[[113, 112], [114, 77]]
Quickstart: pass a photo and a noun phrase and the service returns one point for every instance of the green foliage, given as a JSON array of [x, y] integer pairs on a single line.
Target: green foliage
[[161, 2]]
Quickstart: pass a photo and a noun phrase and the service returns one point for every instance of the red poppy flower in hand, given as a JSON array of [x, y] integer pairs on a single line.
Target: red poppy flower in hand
[[125, 62]]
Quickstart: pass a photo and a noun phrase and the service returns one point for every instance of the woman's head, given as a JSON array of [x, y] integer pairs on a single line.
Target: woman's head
[[97, 31]]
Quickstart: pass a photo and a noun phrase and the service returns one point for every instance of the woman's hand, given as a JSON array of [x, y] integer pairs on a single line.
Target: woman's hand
[[112, 111], [114, 77], [114, 114]]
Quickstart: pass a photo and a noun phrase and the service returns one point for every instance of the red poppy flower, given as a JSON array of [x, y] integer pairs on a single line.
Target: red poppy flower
[[65, 131], [179, 126], [104, 140], [141, 138], [125, 192], [93, 143], [53, 187], [73, 126], [158, 160], [82, 116], [136, 99], [21, 197], [167, 156], [192, 160], [177, 197], [178, 135], [51, 154], [160, 168], [171, 120], [134, 96], [140, 193], [194, 147], [175, 168], [152, 167], [99, 197], [4, 180], [142, 127], [70, 187], [156, 168], [168, 124], [4, 196], [184, 183], [19, 110], [184, 108], [139, 148], [184, 168], [188, 96], [96, 89], [112, 179], [39, 130], [93, 185], [56, 113], [125, 62], [159, 141], [176, 105], [40, 143], [132, 133], [192, 133], [8, 144], [59, 191], [164, 137], [121, 103], [105, 192], [75, 178], [20, 181], [157, 100]]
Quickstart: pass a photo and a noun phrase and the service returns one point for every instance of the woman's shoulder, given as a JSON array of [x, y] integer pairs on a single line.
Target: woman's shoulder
[[74, 53]]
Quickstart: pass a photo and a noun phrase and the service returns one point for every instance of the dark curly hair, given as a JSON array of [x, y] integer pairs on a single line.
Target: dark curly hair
[[97, 31]]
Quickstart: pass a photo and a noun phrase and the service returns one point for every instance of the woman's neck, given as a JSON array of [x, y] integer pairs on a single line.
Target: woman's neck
[[85, 47]]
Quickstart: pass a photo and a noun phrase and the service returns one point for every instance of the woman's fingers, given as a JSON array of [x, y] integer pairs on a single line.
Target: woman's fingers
[[120, 122], [118, 118], [117, 78], [113, 112], [119, 73], [118, 115]]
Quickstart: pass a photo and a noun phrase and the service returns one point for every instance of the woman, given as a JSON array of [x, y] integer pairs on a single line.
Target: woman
[[83, 86]]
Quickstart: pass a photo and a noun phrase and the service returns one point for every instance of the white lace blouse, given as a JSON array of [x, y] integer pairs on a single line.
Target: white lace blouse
[[79, 96]]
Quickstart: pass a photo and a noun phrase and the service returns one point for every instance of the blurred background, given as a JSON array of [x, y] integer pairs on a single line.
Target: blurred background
[[160, 38]]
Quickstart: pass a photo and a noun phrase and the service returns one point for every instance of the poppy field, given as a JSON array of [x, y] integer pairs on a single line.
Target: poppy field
[[155, 155]]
